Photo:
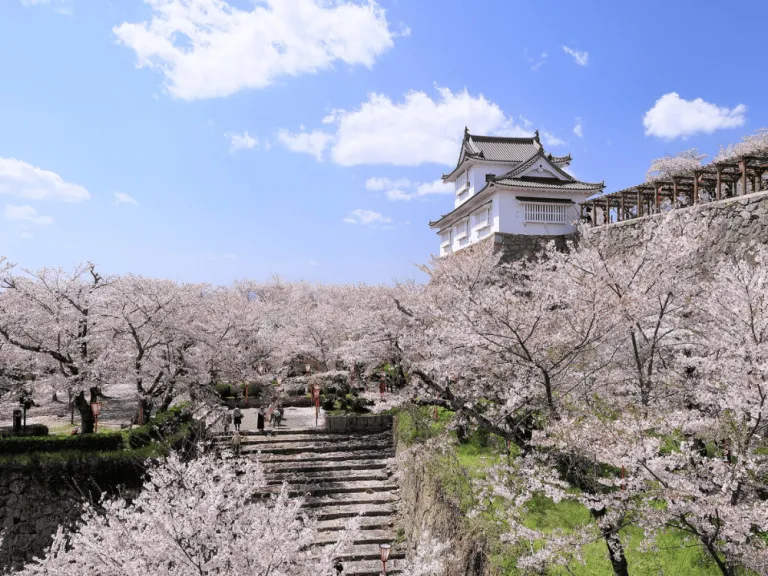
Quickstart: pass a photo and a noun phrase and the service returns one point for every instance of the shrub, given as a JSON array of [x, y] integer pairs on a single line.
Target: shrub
[[163, 426], [111, 441], [328, 401], [224, 390], [32, 430]]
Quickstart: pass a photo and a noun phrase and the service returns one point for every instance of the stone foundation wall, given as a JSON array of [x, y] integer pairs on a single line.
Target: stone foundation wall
[[522, 246], [358, 424], [731, 225], [36, 499]]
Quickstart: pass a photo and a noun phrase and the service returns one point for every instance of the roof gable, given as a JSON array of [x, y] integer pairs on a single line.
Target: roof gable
[[497, 148]]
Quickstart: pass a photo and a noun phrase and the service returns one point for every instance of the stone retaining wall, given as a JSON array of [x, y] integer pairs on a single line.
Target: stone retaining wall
[[520, 246], [731, 225], [35, 500], [358, 424]]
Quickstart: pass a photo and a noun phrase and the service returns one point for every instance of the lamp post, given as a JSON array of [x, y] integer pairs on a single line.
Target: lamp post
[[95, 410], [307, 368], [316, 398], [384, 550]]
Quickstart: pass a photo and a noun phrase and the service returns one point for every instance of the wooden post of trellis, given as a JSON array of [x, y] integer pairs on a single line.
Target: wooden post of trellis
[[621, 207], [719, 181], [674, 192], [743, 169], [639, 204], [594, 214], [656, 198], [695, 187], [607, 215]]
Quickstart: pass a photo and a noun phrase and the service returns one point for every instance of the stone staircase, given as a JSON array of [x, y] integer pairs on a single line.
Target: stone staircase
[[341, 475]]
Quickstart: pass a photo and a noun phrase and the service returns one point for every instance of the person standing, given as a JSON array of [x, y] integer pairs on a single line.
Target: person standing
[[260, 419], [227, 421], [278, 415], [236, 443], [238, 417]]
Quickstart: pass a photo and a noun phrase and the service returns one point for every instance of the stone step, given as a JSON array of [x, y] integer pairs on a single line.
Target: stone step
[[327, 476], [372, 567], [354, 498], [358, 552], [283, 438], [317, 447], [298, 466], [311, 456], [365, 523], [329, 488], [364, 537], [352, 510]]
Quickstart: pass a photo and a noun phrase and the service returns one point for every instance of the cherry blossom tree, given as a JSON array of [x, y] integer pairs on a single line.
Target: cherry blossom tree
[[670, 166], [197, 517], [59, 317]]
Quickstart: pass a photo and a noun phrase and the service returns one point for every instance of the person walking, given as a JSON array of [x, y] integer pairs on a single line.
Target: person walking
[[278, 415], [260, 419], [227, 421], [236, 443], [238, 417]]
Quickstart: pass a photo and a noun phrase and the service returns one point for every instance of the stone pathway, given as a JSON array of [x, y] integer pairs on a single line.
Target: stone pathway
[[341, 476]]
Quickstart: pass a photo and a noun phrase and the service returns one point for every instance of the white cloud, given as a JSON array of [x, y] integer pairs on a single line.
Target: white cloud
[[366, 217], [581, 58], [313, 143], [314, 263], [20, 179], [123, 198], [578, 129], [417, 130], [242, 141], [209, 49], [673, 117], [404, 189], [552, 140], [26, 213], [398, 194], [536, 64], [434, 187], [386, 183]]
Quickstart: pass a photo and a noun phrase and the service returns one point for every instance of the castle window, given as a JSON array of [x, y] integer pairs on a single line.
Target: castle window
[[445, 239], [548, 213], [462, 229], [482, 218], [461, 182]]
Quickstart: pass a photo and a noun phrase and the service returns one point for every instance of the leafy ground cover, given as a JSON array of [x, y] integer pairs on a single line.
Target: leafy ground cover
[[674, 554]]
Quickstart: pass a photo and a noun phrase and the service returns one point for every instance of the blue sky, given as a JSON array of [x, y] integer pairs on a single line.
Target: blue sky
[[202, 140]]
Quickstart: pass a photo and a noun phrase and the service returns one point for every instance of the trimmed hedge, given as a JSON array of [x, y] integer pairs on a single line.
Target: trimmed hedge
[[32, 430], [81, 443], [164, 426]]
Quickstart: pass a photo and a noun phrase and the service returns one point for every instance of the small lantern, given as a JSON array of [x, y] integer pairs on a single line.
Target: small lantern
[[307, 368], [95, 410], [261, 369], [384, 550]]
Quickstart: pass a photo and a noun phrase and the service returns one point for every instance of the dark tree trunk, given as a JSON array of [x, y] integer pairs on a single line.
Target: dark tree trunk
[[144, 412], [615, 549], [86, 415]]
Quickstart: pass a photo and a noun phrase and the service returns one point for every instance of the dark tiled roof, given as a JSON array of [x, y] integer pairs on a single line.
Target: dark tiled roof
[[547, 183], [559, 159], [544, 200], [500, 149]]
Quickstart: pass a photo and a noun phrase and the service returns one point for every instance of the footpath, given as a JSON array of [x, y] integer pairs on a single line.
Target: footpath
[[341, 475]]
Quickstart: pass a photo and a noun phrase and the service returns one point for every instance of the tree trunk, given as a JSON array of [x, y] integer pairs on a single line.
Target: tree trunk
[[144, 412], [615, 549], [86, 415]]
